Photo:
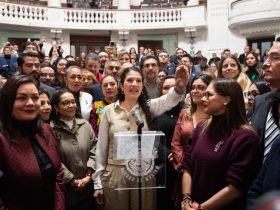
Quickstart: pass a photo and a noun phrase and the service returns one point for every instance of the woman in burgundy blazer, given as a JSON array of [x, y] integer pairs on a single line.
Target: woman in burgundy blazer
[[32, 175]]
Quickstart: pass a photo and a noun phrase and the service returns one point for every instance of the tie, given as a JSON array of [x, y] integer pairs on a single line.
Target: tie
[[271, 133]]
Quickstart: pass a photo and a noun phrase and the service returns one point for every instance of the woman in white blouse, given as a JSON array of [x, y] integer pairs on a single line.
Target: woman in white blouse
[[73, 80]]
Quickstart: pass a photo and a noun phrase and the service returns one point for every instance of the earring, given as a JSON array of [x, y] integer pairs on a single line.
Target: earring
[[142, 92], [225, 104]]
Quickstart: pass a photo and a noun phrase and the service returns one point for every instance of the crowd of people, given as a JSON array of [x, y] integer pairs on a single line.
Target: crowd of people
[[59, 116]]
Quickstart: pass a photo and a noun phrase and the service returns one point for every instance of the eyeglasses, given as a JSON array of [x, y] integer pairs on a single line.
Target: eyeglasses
[[208, 94], [273, 57], [147, 65], [74, 77], [47, 74], [68, 102], [198, 87], [62, 64], [111, 68], [251, 94]]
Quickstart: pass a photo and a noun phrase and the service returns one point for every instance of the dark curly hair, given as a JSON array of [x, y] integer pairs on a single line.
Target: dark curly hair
[[143, 98]]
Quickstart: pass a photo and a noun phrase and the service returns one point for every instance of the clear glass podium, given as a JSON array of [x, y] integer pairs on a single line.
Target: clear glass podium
[[143, 157]]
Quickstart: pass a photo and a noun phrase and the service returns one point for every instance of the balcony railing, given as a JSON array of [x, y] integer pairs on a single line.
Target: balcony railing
[[24, 12], [28, 15]]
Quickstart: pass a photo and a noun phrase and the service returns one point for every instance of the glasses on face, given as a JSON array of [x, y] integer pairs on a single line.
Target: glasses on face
[[111, 68], [147, 65], [273, 57], [62, 64], [47, 74], [68, 102], [74, 77], [252, 93], [198, 87], [208, 94]]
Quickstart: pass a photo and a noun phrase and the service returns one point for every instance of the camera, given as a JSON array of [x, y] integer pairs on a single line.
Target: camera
[[112, 44]]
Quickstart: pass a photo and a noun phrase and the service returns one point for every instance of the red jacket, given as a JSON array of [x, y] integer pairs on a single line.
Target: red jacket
[[21, 185]]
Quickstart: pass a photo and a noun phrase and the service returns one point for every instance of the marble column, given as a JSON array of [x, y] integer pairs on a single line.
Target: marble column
[[193, 2], [54, 3], [124, 4]]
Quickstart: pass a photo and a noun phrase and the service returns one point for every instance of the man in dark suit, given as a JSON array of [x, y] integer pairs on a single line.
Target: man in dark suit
[[8, 63], [265, 119], [262, 107], [29, 64], [242, 57]]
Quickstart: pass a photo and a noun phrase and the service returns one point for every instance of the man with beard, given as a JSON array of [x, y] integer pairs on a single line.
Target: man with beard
[[179, 54], [103, 56], [8, 63], [150, 67], [29, 64], [164, 63]]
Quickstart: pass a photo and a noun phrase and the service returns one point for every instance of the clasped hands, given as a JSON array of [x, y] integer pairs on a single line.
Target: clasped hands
[[80, 184]]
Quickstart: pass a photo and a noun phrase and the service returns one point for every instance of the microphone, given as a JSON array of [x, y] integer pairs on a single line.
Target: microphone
[[1, 174], [138, 119]]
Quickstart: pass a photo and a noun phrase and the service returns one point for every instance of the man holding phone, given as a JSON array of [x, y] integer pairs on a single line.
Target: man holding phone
[[8, 63]]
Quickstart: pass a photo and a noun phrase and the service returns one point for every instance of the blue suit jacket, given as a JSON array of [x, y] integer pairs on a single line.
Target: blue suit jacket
[[96, 92], [8, 66]]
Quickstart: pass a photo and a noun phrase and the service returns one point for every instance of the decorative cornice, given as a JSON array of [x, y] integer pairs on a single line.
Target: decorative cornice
[[259, 28], [255, 16]]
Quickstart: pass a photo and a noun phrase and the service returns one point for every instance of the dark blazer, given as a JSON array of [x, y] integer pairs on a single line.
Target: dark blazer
[[21, 185], [260, 112], [268, 178], [241, 58], [8, 66], [96, 92], [49, 89]]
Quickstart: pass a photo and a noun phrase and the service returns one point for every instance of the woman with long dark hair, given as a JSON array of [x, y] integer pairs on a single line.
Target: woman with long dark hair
[[225, 155], [252, 67], [32, 174], [118, 117]]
